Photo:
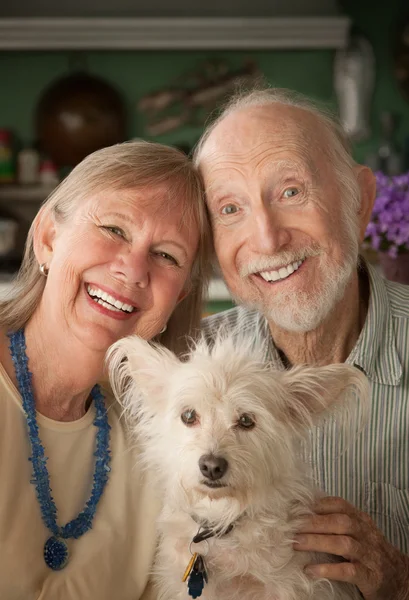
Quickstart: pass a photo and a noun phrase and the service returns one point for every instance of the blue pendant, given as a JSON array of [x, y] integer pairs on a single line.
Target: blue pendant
[[55, 549], [55, 553]]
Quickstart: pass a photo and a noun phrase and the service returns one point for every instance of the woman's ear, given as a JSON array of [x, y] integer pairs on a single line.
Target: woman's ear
[[183, 294], [367, 185], [44, 236], [187, 288]]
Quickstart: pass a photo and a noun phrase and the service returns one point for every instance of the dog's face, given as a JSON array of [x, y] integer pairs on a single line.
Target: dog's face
[[221, 428]]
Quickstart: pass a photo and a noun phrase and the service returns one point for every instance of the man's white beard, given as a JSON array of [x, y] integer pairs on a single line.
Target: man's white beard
[[305, 311]]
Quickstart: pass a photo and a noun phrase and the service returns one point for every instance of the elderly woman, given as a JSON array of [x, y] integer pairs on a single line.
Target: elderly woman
[[120, 247]]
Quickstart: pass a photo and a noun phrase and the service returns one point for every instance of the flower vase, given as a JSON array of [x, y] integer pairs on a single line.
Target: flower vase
[[395, 269]]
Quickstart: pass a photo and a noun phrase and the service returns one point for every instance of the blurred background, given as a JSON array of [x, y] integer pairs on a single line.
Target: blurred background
[[82, 74]]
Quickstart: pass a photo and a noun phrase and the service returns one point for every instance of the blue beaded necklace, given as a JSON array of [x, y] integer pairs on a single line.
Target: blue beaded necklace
[[55, 549]]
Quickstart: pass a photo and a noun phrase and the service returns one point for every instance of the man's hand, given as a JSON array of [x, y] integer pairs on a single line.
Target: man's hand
[[376, 567]]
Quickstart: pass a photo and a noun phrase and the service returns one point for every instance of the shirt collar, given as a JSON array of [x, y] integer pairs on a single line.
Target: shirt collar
[[375, 351]]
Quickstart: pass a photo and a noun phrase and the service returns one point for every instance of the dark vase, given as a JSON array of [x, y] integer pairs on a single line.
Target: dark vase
[[395, 269]]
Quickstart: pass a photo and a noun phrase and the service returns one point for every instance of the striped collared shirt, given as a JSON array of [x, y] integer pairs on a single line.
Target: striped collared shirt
[[372, 470]]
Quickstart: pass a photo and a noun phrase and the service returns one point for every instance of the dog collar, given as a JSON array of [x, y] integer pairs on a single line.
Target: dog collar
[[196, 572], [208, 530]]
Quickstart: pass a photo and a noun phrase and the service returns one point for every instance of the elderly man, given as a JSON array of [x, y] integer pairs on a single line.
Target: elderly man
[[289, 208]]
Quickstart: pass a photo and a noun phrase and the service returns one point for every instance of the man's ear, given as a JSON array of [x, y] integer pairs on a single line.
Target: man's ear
[[44, 236], [367, 185]]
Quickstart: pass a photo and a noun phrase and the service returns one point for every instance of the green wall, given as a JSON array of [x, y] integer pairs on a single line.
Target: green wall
[[24, 75], [380, 21]]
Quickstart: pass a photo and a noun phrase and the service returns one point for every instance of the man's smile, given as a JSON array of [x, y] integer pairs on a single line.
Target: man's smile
[[281, 273]]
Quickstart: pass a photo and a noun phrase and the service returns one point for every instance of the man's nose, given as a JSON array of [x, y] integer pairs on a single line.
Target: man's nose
[[269, 233]]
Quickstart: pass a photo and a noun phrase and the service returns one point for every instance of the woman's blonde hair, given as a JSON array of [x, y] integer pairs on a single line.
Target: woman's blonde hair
[[130, 165]]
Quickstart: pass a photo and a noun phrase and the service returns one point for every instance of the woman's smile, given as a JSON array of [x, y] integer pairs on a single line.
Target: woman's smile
[[108, 303]]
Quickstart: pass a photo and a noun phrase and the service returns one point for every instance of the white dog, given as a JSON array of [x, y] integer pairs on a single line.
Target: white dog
[[222, 431]]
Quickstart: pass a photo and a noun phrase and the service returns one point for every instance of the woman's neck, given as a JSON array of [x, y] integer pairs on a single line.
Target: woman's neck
[[63, 370]]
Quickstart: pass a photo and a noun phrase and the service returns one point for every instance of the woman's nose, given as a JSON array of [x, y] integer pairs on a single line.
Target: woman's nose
[[134, 268]]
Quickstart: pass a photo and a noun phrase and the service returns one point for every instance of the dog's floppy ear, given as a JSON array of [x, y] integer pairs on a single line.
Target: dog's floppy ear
[[313, 391], [139, 369]]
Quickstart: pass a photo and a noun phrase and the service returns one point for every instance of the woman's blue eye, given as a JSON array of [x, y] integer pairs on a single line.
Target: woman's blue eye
[[167, 257], [230, 209], [290, 192], [114, 230]]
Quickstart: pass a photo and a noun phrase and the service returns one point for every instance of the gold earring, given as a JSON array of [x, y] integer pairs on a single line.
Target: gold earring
[[44, 269]]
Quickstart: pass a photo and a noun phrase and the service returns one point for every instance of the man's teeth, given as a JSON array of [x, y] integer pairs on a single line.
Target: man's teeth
[[281, 273], [108, 301]]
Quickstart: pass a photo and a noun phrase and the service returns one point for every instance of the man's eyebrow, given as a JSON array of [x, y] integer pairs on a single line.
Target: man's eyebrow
[[215, 188], [299, 168], [297, 164], [218, 195]]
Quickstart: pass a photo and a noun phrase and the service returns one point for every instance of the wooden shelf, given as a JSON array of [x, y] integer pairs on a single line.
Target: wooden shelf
[[24, 193]]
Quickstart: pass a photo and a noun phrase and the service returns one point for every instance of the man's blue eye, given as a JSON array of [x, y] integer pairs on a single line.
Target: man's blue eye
[[230, 209], [291, 192]]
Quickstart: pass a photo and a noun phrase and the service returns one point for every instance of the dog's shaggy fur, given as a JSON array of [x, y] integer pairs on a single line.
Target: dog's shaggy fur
[[265, 491]]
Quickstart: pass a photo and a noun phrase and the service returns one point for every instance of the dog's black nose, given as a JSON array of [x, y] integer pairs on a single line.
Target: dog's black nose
[[213, 467]]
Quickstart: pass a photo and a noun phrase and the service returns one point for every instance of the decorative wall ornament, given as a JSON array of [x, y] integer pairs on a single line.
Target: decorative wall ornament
[[190, 98]]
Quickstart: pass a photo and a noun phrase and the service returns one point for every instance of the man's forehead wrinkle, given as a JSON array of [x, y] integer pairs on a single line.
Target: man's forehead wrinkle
[[235, 144], [266, 149], [225, 169]]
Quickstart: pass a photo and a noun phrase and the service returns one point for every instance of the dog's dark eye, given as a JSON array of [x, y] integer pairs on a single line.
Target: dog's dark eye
[[189, 417], [246, 421]]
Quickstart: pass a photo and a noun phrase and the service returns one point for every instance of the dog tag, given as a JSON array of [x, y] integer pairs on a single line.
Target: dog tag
[[197, 578], [189, 567]]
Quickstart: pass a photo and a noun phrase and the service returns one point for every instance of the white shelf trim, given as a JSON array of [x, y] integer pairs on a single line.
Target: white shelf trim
[[208, 33]]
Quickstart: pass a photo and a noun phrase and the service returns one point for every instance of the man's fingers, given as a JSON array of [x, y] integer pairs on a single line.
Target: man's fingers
[[340, 524], [338, 545], [333, 504], [345, 571]]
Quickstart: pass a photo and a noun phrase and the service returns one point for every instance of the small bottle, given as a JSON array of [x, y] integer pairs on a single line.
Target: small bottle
[[6, 157], [48, 174], [28, 166]]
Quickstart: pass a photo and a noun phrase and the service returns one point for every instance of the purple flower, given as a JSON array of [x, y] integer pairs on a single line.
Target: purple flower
[[372, 228], [376, 241], [388, 228]]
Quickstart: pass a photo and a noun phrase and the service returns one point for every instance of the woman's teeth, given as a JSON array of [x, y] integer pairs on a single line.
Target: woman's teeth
[[108, 301], [282, 273]]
